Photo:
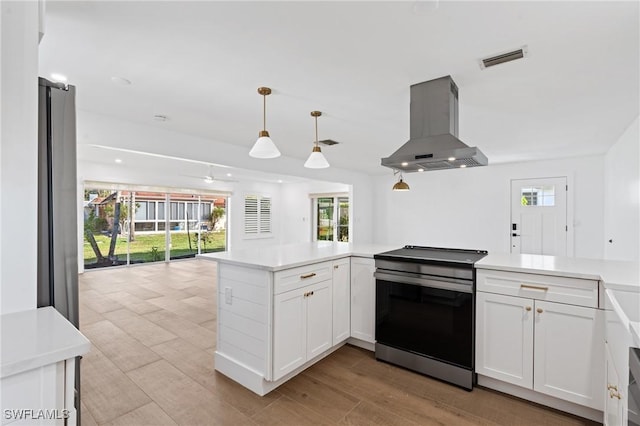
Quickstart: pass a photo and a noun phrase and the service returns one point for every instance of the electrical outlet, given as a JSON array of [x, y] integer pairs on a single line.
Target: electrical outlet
[[227, 295]]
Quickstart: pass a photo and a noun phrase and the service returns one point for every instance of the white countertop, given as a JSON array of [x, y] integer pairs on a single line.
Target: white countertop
[[38, 337], [287, 256], [618, 275]]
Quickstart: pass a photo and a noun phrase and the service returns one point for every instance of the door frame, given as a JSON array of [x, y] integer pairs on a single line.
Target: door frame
[[571, 223]]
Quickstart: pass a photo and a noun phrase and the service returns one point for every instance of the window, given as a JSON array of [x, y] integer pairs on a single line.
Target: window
[[331, 218], [538, 196], [257, 215]]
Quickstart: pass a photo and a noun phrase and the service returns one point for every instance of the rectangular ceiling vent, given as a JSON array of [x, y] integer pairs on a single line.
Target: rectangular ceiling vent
[[328, 142], [504, 57]]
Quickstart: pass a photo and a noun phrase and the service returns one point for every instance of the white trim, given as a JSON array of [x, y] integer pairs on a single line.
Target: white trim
[[149, 188], [540, 398], [328, 194]]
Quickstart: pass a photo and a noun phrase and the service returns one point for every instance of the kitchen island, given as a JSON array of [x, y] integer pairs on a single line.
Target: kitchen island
[[283, 309]]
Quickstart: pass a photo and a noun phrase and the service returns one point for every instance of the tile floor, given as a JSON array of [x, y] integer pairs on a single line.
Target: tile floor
[[153, 334]]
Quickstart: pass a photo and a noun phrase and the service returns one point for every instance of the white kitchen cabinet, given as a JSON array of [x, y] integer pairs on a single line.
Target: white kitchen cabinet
[[552, 348], [614, 407], [363, 299], [504, 338], [341, 300], [37, 368], [569, 354], [302, 326]]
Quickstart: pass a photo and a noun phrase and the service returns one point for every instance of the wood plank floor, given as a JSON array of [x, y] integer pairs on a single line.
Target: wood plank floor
[[153, 335]]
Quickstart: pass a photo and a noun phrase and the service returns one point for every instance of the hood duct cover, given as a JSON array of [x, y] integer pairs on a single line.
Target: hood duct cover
[[434, 143]]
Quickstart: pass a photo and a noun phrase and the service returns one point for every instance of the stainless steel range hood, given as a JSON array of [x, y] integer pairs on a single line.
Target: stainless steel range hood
[[434, 143]]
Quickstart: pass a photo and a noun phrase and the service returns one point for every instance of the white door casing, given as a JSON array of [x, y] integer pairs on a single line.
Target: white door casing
[[539, 216]]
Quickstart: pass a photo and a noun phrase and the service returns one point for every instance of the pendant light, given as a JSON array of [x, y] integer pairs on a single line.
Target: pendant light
[[264, 146], [316, 160], [400, 185]]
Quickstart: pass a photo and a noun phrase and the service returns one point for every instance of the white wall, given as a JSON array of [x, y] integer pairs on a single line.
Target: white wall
[[470, 208], [298, 218], [18, 155], [98, 129], [622, 199]]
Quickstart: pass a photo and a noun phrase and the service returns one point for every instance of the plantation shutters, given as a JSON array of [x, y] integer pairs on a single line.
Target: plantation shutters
[[257, 215]]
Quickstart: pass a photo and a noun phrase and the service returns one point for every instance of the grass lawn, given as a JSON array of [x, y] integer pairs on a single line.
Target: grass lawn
[[142, 248]]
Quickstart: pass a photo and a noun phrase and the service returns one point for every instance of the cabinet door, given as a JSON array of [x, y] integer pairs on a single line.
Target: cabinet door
[[504, 338], [612, 404], [341, 301], [319, 318], [363, 299], [569, 353], [289, 331]]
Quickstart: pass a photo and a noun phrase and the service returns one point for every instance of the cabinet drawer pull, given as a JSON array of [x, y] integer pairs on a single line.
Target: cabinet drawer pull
[[528, 308], [539, 310], [313, 274], [612, 387], [614, 394], [534, 287], [336, 266]]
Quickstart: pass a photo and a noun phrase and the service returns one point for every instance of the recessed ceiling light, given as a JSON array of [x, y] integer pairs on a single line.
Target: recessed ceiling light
[[118, 160], [279, 180], [451, 158], [462, 166], [208, 179], [421, 170], [59, 77], [229, 174], [159, 117], [121, 81], [405, 164]]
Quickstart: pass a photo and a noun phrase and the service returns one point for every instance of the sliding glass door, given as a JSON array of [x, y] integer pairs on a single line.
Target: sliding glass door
[[124, 226]]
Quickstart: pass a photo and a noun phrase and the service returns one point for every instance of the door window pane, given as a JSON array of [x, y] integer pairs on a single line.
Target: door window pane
[[343, 217], [105, 230], [325, 219], [538, 196]]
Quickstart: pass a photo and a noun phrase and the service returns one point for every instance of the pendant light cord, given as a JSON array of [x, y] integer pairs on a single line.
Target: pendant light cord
[[316, 117], [264, 112]]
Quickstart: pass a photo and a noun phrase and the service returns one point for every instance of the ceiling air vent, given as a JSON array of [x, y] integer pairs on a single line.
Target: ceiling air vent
[[328, 142], [504, 57]]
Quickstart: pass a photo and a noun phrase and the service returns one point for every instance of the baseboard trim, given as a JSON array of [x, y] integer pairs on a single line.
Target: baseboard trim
[[538, 398], [255, 381], [362, 344]]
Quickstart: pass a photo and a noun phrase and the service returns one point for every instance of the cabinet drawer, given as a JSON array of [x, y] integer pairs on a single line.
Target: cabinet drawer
[[573, 291], [290, 279]]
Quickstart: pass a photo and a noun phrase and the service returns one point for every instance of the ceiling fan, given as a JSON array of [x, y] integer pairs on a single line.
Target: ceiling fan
[[209, 178]]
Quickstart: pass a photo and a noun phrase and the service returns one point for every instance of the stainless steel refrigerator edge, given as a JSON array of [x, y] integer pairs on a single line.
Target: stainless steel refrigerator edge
[[57, 205]]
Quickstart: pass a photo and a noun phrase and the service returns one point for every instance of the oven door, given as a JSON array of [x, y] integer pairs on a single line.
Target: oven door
[[429, 316]]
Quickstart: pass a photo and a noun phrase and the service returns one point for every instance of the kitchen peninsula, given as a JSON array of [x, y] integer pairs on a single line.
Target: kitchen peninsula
[[281, 310]]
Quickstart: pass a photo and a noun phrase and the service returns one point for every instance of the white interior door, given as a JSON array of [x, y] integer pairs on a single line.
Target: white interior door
[[539, 216]]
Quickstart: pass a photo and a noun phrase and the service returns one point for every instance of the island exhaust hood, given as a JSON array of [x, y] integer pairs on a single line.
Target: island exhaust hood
[[434, 143]]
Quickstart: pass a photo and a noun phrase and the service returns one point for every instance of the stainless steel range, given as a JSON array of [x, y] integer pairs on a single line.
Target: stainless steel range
[[425, 309]]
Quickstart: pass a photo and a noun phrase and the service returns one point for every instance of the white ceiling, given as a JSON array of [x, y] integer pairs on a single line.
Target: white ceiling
[[200, 64]]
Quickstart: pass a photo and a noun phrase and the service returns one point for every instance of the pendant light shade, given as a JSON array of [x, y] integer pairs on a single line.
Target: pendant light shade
[[264, 146], [316, 159], [401, 185]]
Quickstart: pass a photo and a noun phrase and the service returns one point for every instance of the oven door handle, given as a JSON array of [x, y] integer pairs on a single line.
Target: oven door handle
[[440, 282]]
